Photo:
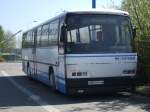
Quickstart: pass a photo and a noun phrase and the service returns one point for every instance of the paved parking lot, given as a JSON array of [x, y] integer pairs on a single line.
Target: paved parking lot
[[20, 94]]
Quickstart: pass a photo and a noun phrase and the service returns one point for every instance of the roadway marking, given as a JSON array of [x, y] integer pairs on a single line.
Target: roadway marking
[[31, 95]]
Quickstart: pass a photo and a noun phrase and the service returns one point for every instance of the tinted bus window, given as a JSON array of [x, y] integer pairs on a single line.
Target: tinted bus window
[[53, 32], [39, 36], [44, 35], [30, 39], [98, 34], [24, 40]]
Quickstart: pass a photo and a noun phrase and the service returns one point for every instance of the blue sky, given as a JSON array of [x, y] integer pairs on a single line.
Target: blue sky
[[20, 14]]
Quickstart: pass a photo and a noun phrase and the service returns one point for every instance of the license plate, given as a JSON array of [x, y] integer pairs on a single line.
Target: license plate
[[95, 82]]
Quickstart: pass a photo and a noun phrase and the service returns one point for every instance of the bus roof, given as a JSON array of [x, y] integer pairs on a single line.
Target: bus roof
[[91, 11], [100, 11]]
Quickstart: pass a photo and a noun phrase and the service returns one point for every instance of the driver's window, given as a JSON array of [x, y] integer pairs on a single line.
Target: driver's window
[[125, 32]]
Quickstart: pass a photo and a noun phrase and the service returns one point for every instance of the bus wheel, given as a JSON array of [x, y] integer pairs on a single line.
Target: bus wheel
[[52, 79], [133, 89]]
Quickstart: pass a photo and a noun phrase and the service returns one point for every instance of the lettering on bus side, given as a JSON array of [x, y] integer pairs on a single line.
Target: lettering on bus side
[[125, 58]]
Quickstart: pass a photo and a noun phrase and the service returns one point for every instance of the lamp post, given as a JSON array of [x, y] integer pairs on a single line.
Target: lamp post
[[93, 4]]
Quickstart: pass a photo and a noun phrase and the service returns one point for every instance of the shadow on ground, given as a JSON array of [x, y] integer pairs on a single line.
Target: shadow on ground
[[10, 96]]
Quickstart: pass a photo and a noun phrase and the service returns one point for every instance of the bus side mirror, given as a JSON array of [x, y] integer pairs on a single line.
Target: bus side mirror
[[134, 31], [63, 34]]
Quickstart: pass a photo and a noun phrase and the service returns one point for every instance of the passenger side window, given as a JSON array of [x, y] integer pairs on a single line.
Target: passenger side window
[[44, 35], [39, 36], [24, 40], [30, 39], [53, 32]]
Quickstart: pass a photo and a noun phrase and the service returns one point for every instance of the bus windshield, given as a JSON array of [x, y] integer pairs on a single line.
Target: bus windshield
[[98, 33]]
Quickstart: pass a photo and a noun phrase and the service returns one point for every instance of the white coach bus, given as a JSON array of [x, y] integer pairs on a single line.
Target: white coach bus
[[82, 52]]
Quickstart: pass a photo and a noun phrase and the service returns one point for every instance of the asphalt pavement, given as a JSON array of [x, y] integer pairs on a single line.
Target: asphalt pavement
[[18, 93]]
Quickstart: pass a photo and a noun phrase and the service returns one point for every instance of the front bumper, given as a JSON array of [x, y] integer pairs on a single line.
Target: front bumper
[[110, 84]]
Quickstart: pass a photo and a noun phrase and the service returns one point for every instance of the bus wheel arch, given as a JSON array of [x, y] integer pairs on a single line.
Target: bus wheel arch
[[28, 67], [52, 78]]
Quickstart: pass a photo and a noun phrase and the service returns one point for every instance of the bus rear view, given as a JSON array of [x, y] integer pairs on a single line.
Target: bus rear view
[[98, 52]]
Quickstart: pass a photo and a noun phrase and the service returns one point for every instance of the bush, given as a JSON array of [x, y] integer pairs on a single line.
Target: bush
[[144, 55], [1, 58]]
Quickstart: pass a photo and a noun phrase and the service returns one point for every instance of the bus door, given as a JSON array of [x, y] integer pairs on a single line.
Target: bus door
[[60, 79], [34, 54], [61, 83]]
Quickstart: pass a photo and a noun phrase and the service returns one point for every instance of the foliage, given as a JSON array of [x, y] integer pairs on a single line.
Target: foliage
[[10, 43], [144, 55], [140, 14], [1, 36], [6, 41], [1, 58]]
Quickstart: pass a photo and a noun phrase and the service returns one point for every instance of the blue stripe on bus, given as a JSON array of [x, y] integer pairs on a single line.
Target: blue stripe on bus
[[46, 73], [101, 56], [59, 77], [61, 87], [61, 83], [42, 77]]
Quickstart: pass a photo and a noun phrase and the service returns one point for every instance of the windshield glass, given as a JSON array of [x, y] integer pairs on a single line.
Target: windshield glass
[[98, 34]]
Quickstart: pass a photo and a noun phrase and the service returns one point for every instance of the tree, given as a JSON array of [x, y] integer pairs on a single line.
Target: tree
[[1, 36], [140, 15], [7, 42]]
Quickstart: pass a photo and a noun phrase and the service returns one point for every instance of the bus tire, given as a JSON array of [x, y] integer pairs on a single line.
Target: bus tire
[[133, 89], [52, 79]]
